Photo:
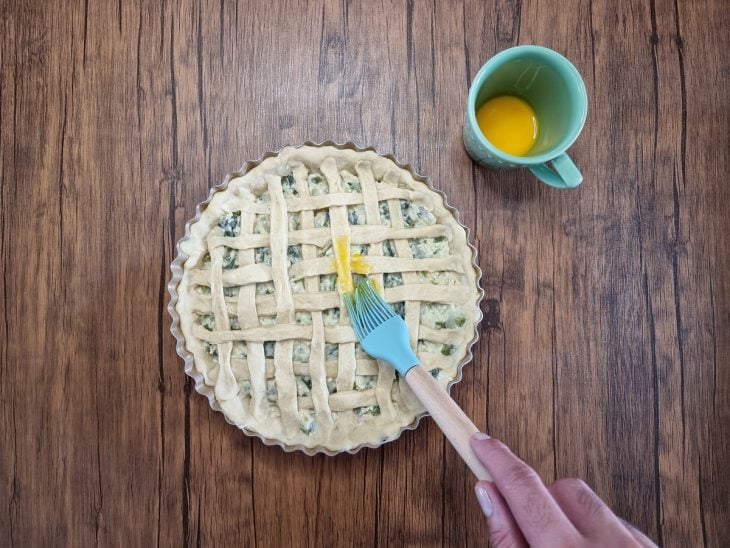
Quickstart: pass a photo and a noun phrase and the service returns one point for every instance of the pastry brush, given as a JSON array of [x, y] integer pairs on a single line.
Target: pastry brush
[[384, 335]]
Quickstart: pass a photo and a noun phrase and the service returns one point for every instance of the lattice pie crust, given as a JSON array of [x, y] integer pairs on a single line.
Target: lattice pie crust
[[260, 309]]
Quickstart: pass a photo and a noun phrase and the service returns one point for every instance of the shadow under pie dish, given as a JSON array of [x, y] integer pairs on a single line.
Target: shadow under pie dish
[[257, 307]]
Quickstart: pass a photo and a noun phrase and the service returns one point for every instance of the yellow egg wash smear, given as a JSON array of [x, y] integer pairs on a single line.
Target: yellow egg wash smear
[[509, 123], [346, 265], [359, 264], [343, 267]]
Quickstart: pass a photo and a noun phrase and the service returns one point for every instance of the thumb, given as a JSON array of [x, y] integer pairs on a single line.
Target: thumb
[[503, 529]]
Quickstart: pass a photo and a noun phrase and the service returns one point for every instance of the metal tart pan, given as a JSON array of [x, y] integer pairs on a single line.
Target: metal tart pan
[[177, 272]]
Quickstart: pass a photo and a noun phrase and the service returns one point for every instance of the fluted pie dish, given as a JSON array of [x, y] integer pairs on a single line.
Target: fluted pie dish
[[257, 295]]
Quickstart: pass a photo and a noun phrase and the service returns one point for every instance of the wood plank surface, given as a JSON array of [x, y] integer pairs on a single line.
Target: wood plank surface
[[604, 351]]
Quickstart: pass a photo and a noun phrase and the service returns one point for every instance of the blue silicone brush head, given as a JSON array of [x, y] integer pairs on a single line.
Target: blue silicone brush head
[[381, 332]]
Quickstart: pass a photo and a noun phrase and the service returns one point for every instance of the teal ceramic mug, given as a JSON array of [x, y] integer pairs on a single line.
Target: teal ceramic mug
[[555, 90]]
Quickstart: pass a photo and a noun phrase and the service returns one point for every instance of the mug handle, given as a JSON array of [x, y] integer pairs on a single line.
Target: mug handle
[[564, 173]]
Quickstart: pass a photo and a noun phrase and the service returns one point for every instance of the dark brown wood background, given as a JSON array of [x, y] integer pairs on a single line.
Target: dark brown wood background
[[605, 348]]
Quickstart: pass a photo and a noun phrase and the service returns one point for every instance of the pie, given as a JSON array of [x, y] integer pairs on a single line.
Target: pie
[[260, 303]]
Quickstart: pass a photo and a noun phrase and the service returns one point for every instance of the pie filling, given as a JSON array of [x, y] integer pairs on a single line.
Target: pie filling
[[263, 309]]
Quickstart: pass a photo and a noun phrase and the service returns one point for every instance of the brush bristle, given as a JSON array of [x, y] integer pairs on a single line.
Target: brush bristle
[[367, 309]]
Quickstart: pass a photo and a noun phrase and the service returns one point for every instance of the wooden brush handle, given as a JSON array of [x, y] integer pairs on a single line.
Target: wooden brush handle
[[453, 422]]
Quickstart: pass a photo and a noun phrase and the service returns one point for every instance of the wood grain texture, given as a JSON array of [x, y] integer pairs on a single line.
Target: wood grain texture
[[604, 349]]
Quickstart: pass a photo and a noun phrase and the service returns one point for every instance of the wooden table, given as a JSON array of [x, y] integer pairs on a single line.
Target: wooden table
[[604, 348]]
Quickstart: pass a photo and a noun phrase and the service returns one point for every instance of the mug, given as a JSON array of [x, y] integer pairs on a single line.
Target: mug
[[555, 90]]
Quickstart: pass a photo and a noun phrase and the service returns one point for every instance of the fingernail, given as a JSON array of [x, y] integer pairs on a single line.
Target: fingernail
[[484, 501], [481, 436]]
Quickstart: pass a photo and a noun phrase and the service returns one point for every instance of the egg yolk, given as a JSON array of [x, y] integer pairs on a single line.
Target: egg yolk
[[359, 264], [343, 266], [346, 264], [509, 123]]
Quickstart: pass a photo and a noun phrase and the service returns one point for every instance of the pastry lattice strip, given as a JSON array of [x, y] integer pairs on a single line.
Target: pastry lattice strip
[[317, 366]]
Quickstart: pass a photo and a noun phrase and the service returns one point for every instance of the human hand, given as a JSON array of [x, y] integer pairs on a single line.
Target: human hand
[[522, 511]]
